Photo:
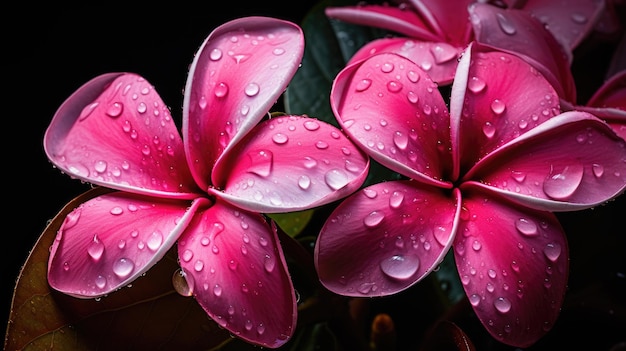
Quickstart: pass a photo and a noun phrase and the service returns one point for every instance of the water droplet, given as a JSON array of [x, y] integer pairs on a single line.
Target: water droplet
[[187, 255], [506, 26], [252, 89], [489, 130], [476, 245], [474, 299], [280, 138], [413, 76], [221, 90], [395, 200], [309, 162], [95, 248], [304, 182], [562, 184], [476, 85], [373, 219], [215, 54], [261, 162], [123, 267], [387, 67], [336, 179], [394, 86], [443, 54], [526, 227], [87, 111], [497, 106], [401, 140], [217, 290], [552, 251], [311, 125], [101, 282], [366, 288], [363, 84], [155, 240], [269, 263], [502, 304], [579, 18], [115, 109], [598, 170], [400, 267], [412, 97], [182, 283]]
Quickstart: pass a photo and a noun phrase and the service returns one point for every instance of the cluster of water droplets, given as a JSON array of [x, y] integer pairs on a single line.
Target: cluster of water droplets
[[502, 285], [117, 261], [130, 111], [200, 275]]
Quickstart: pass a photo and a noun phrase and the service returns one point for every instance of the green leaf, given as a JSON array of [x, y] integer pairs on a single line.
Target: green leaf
[[329, 44], [292, 223]]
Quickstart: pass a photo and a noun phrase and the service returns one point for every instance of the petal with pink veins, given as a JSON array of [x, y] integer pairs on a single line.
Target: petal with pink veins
[[385, 238], [115, 131], [570, 162], [513, 263], [234, 264], [495, 98], [570, 21], [512, 31], [236, 77], [399, 20], [109, 241], [291, 163], [438, 59], [390, 107]]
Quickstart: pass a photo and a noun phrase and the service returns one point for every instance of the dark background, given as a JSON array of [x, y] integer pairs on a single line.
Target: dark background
[[51, 51]]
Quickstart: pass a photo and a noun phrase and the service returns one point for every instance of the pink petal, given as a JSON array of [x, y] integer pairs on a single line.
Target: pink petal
[[608, 103], [291, 163], [390, 107], [400, 20], [450, 18], [438, 59], [109, 241], [385, 238], [233, 262], [237, 75], [513, 30], [495, 98], [116, 132], [570, 162], [513, 265], [570, 21]]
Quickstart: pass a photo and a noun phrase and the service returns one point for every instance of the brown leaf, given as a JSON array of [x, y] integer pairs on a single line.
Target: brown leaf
[[147, 315]]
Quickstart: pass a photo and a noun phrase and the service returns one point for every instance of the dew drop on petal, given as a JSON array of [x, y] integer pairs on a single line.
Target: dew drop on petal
[[560, 185], [221, 90], [252, 89], [526, 227], [363, 84], [95, 248], [476, 85], [502, 304], [506, 26], [395, 200], [304, 182], [400, 267], [336, 179], [123, 267], [552, 251], [261, 162], [373, 219]]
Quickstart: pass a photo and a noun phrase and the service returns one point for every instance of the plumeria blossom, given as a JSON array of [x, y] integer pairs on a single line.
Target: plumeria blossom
[[205, 190], [481, 179], [433, 33]]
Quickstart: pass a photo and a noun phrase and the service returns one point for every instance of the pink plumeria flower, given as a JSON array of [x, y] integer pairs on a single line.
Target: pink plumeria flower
[[433, 33], [205, 191], [482, 179]]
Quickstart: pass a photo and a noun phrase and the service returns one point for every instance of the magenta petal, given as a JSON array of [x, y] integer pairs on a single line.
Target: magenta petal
[[237, 75], [292, 163], [385, 238], [109, 241], [569, 21], [390, 107], [116, 132], [513, 30], [235, 267], [496, 97], [438, 59], [513, 265], [573, 161], [402, 21], [449, 18]]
